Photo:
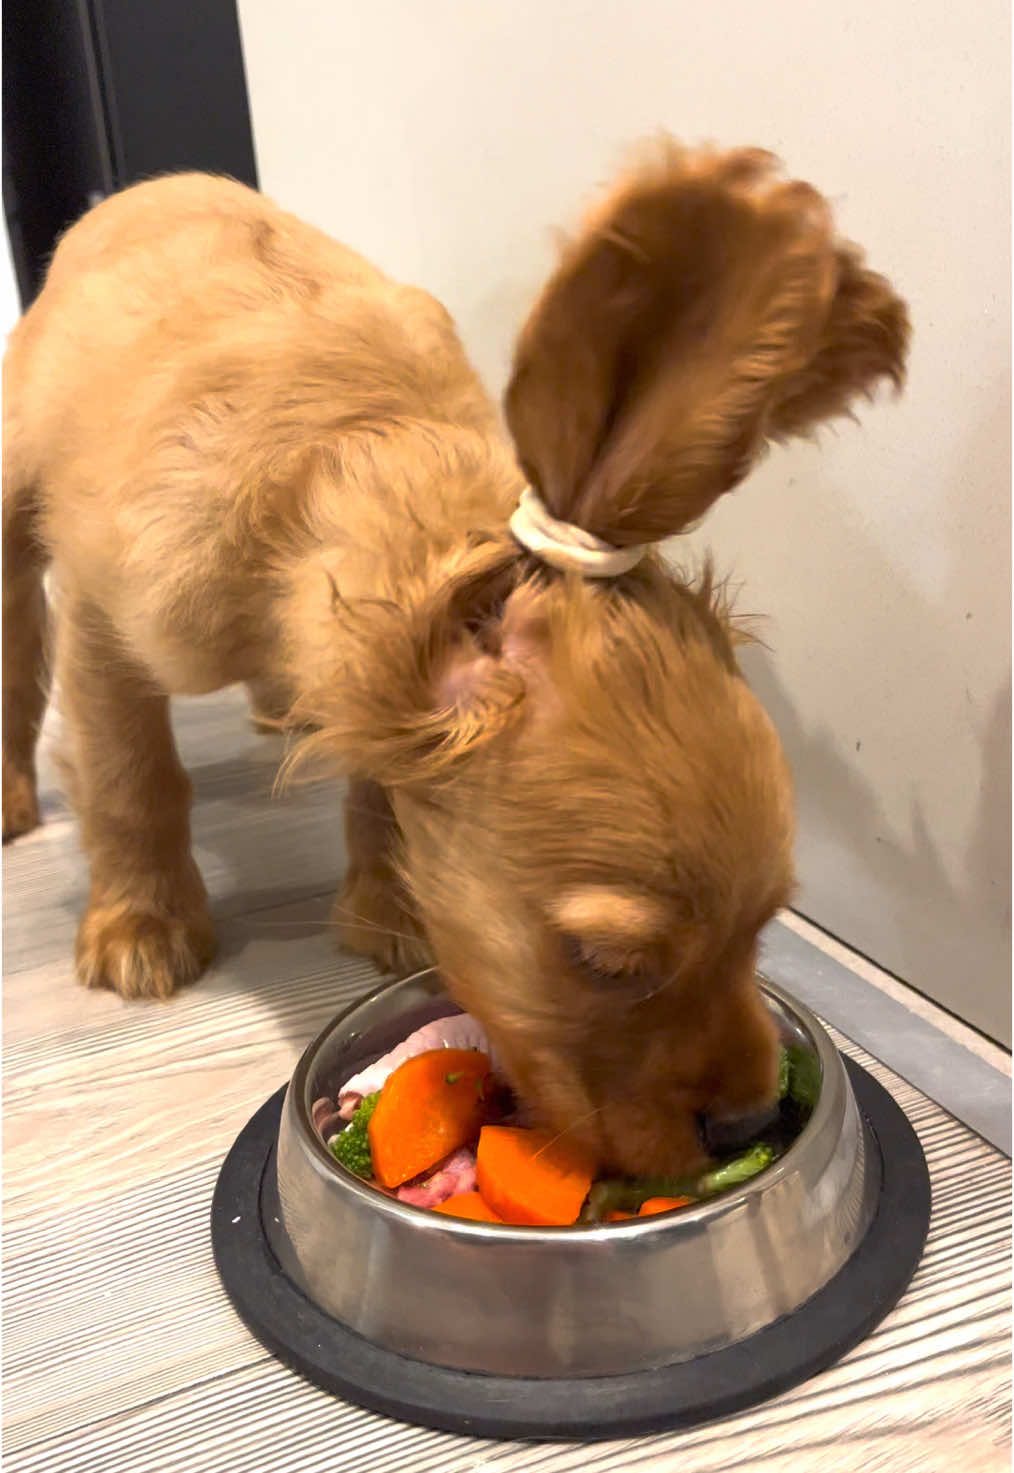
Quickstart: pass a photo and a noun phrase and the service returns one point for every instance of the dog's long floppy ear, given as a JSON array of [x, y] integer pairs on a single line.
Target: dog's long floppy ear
[[421, 682], [703, 310]]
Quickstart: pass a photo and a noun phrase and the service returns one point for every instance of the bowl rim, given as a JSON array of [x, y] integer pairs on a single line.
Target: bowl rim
[[591, 1233]]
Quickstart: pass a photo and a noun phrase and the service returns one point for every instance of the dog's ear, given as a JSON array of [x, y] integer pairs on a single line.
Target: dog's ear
[[420, 683], [704, 309], [865, 339]]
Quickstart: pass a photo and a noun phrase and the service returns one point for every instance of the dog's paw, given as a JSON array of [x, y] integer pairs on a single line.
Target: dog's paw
[[373, 920], [20, 802], [142, 953]]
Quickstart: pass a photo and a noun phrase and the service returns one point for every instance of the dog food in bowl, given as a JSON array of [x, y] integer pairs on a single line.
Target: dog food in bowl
[[433, 1124]]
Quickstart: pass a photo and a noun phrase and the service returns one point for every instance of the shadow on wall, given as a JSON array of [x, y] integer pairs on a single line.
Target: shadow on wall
[[938, 917], [938, 921]]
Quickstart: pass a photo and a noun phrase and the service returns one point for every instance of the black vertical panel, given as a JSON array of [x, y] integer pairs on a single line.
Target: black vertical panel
[[101, 93], [175, 87], [55, 154]]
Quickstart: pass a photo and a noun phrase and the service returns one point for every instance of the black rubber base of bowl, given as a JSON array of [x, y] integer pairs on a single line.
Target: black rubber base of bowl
[[711, 1386]]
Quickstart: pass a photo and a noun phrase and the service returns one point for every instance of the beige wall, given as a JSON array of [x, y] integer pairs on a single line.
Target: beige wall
[[446, 138], [10, 305]]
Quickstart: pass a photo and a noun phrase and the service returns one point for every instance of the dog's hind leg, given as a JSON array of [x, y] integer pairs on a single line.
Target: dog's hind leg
[[373, 912], [25, 666], [146, 928]]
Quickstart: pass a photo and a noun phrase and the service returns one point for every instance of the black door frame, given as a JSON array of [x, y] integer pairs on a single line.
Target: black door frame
[[98, 94]]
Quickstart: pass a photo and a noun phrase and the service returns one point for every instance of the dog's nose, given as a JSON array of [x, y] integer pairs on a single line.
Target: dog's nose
[[725, 1133]]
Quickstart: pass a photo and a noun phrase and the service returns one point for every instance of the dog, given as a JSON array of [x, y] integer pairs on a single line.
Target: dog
[[248, 456]]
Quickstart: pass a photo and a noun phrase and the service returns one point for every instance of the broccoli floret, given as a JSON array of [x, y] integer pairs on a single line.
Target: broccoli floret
[[352, 1147]]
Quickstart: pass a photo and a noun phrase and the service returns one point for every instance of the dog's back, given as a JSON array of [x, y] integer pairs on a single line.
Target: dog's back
[[193, 348], [194, 295], [155, 272]]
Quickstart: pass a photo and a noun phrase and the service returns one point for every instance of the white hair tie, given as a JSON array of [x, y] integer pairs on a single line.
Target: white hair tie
[[564, 546]]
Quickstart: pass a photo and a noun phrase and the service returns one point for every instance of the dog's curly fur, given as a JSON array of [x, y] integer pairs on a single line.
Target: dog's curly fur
[[251, 457]]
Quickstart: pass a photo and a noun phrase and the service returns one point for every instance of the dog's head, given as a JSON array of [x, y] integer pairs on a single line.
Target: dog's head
[[593, 878], [596, 812]]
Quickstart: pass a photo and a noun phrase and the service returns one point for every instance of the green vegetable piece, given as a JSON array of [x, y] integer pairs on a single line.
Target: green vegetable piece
[[626, 1194], [733, 1173], [608, 1195], [352, 1147], [452, 1078], [784, 1072], [804, 1076]]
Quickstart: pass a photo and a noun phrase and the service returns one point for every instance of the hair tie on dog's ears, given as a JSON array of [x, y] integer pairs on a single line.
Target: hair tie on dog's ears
[[564, 546]]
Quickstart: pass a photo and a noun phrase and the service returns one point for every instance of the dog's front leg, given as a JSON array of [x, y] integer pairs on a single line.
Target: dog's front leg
[[373, 912], [146, 928]]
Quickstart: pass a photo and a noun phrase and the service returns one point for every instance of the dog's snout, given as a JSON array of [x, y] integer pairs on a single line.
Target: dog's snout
[[724, 1133]]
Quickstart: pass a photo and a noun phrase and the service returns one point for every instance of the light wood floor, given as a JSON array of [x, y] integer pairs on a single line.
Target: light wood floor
[[121, 1353]]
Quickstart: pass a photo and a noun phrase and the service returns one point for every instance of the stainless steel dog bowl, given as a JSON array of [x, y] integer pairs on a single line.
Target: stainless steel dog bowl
[[420, 1314], [564, 1301]]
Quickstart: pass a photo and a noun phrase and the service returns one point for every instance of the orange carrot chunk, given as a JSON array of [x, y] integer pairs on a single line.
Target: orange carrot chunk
[[619, 1216], [467, 1204], [527, 1176], [663, 1204], [431, 1104]]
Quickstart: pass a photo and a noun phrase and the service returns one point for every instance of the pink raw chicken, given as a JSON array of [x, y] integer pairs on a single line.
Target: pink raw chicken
[[456, 1173], [458, 1031]]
